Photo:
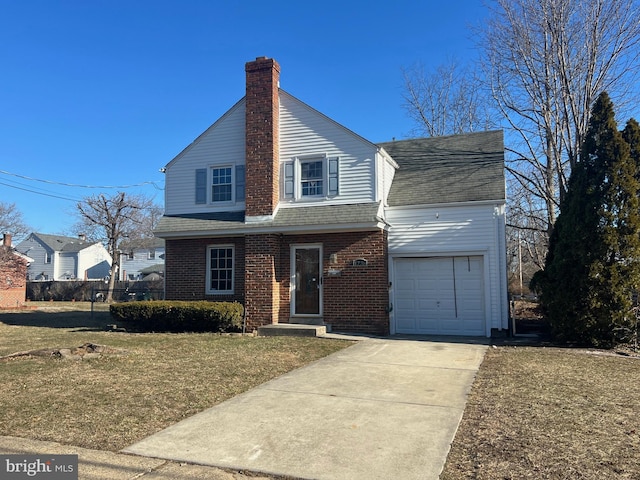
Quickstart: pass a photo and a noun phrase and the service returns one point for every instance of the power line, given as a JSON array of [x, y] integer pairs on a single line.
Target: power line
[[81, 186], [39, 193]]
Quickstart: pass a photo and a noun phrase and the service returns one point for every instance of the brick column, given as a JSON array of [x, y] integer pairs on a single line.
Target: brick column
[[262, 292]]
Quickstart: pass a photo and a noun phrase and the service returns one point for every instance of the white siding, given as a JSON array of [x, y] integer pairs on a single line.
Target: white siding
[[222, 144], [386, 172], [305, 132], [455, 230], [133, 266], [94, 261]]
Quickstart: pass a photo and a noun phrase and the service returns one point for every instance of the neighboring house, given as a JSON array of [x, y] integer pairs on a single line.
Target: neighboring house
[[13, 275], [303, 221], [141, 257], [65, 258]]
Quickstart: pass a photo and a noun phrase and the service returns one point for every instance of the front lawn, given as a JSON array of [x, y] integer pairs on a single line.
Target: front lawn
[[141, 384], [550, 413]]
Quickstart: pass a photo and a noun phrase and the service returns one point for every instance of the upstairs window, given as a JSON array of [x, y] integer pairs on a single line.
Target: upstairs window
[[221, 184], [47, 257], [151, 254], [309, 178]]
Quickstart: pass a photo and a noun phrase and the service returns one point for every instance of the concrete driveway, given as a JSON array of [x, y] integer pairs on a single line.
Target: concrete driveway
[[381, 409]]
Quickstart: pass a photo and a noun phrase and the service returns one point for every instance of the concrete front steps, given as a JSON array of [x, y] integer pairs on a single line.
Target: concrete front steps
[[292, 330]]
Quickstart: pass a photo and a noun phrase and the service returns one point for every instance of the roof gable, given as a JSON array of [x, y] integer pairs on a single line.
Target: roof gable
[[450, 169]]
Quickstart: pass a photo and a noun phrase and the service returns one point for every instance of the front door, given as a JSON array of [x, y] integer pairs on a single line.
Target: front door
[[307, 280]]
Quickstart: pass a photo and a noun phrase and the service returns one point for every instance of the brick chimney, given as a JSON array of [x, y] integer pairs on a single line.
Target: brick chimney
[[6, 240], [262, 132]]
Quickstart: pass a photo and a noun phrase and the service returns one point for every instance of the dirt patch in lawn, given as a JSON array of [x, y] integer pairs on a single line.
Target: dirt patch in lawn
[[85, 351]]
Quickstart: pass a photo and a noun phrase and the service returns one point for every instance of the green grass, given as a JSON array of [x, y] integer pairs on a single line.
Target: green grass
[[145, 383]]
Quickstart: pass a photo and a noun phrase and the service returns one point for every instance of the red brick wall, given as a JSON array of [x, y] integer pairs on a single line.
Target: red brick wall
[[357, 300], [13, 279], [262, 279], [186, 264], [262, 127], [13, 297]]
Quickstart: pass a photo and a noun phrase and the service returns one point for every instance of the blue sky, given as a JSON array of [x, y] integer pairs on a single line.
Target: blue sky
[[99, 93]]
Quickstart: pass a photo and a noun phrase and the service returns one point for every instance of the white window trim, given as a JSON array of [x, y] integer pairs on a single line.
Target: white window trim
[[208, 289], [232, 201], [297, 178]]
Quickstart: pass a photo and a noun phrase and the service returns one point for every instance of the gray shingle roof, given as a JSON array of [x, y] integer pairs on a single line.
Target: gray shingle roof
[[58, 243], [456, 168], [319, 217]]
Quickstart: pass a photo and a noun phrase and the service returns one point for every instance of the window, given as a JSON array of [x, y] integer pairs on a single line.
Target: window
[[306, 178], [311, 179], [47, 257], [226, 184], [151, 255], [220, 269], [221, 184]]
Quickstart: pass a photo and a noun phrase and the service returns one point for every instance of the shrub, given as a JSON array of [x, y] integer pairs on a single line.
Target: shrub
[[180, 316]]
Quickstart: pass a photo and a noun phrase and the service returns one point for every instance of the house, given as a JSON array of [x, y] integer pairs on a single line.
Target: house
[[13, 275], [65, 258], [281, 208], [141, 257]]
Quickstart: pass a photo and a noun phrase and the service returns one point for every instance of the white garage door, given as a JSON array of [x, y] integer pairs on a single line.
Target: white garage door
[[439, 295]]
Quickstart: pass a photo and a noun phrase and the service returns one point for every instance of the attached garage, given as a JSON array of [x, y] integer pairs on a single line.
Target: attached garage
[[439, 295]]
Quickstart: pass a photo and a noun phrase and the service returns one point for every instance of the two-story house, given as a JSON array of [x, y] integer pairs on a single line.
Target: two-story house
[[57, 257], [141, 257], [303, 221]]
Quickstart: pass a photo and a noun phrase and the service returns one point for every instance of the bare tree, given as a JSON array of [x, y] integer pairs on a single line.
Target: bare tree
[[546, 61], [12, 221], [116, 217], [445, 101]]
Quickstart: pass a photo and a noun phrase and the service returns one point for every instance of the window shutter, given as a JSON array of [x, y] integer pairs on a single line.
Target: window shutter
[[240, 182], [288, 180], [333, 176], [201, 185]]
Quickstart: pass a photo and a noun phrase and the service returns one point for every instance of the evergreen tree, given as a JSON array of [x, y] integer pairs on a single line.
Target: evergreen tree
[[593, 265]]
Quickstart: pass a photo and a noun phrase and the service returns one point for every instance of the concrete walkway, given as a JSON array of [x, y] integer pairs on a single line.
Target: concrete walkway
[[383, 408]]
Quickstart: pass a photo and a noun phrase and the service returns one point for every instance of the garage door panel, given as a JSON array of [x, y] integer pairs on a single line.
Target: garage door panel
[[439, 295]]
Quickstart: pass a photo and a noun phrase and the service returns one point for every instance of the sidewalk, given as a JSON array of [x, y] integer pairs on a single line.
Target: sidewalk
[[383, 408], [100, 465]]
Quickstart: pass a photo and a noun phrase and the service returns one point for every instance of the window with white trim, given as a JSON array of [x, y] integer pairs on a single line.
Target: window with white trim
[[220, 184], [47, 257], [311, 179], [220, 274], [307, 178]]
